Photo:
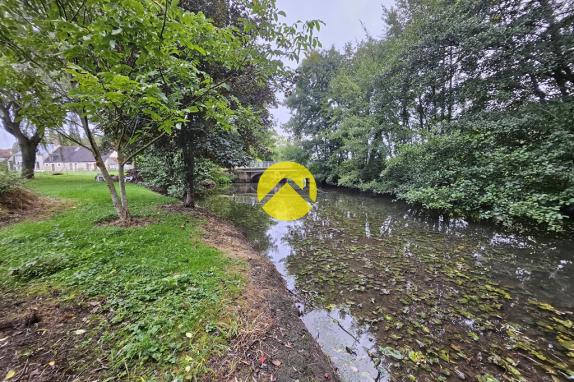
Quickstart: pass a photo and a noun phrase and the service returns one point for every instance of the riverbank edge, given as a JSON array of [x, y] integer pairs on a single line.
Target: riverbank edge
[[526, 226], [273, 343]]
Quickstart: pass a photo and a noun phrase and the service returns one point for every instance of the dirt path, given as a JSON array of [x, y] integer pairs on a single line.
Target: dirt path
[[274, 344]]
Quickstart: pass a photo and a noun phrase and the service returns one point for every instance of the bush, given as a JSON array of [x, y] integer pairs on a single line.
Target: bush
[[509, 167], [8, 180], [164, 171]]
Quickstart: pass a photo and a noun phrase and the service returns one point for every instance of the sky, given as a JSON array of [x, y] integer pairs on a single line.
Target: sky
[[6, 140], [345, 21]]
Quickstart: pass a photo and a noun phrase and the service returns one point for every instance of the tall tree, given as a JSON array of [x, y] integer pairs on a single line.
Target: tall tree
[[133, 77], [314, 109], [27, 109]]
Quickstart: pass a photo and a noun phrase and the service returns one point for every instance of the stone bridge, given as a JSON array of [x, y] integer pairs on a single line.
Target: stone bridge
[[251, 172]]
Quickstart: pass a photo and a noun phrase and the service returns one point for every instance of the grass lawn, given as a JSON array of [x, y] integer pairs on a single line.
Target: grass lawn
[[162, 297]]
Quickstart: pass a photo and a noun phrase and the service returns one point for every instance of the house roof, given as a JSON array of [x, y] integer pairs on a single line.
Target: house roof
[[70, 154], [42, 152], [5, 153]]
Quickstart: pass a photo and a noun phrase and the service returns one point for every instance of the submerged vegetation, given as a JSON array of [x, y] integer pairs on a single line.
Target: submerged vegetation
[[442, 300], [465, 108]]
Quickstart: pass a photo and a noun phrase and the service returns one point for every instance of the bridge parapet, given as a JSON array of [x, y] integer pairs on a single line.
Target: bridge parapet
[[257, 164], [251, 172]]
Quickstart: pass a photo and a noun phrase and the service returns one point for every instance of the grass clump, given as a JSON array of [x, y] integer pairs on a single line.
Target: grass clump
[[39, 266], [165, 295]]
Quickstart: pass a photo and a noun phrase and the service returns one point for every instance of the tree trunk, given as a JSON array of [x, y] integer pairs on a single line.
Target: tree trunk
[[122, 181], [28, 149], [10, 116], [123, 213], [189, 158]]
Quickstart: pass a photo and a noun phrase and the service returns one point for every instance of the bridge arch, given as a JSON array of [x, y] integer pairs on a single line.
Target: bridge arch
[[256, 176]]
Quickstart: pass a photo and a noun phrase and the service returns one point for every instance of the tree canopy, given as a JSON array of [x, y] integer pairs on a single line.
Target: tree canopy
[[462, 107], [135, 71]]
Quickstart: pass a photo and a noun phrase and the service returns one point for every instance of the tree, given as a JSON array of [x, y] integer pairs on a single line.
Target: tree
[[314, 109], [405, 114], [133, 77], [26, 109], [249, 89]]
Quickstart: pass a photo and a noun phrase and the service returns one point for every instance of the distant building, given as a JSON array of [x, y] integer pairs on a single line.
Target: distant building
[[15, 161], [111, 161], [55, 158], [70, 158], [5, 154]]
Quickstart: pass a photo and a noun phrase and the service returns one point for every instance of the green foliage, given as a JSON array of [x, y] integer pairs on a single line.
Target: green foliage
[[164, 171], [22, 86], [40, 266], [162, 294], [8, 180], [441, 113], [290, 151], [510, 167]]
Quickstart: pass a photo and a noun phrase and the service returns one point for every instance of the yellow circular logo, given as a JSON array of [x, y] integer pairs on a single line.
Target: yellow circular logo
[[287, 191]]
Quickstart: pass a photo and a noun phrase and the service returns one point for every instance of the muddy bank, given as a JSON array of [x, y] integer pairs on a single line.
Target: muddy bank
[[274, 344]]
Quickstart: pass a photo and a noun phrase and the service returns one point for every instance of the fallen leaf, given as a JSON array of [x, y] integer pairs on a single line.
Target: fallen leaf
[[416, 357], [388, 351], [10, 374]]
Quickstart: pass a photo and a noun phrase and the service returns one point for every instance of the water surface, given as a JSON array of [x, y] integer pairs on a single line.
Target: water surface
[[392, 294]]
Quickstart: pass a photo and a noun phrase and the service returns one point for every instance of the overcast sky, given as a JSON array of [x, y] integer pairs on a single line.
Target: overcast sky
[[343, 20]]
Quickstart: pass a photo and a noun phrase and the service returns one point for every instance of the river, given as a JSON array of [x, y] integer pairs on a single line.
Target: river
[[391, 293]]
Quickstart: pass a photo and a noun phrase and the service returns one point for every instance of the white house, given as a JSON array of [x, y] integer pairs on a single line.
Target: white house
[[56, 158], [111, 161], [69, 158], [15, 161]]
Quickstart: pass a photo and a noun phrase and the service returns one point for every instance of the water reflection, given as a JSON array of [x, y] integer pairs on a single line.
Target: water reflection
[[347, 343]]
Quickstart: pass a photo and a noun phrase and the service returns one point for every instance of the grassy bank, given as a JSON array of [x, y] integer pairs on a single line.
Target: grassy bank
[[153, 298]]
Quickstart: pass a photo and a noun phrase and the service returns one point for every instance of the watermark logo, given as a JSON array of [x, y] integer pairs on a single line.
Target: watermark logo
[[294, 189]]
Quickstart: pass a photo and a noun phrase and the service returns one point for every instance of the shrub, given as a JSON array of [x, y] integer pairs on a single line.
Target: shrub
[[164, 171], [510, 167], [8, 180]]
